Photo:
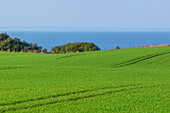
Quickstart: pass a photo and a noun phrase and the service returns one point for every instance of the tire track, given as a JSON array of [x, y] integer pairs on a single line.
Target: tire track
[[80, 98], [146, 58], [132, 60], [67, 56], [7, 68], [139, 59], [66, 94]]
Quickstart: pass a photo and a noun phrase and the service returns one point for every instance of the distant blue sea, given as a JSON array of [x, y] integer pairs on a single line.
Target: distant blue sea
[[105, 40]]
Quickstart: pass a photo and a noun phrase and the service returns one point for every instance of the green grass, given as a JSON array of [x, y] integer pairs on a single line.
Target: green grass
[[126, 80]]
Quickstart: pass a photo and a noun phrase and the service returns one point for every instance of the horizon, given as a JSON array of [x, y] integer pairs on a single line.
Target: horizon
[[52, 28]]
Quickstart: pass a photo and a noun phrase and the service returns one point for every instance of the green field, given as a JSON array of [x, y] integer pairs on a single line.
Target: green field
[[126, 80]]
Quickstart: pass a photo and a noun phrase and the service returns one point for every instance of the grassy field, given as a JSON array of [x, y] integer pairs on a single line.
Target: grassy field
[[126, 80]]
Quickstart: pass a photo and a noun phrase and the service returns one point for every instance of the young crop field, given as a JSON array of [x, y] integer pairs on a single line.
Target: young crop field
[[125, 80]]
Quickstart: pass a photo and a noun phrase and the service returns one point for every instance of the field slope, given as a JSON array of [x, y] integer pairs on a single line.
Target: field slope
[[127, 80]]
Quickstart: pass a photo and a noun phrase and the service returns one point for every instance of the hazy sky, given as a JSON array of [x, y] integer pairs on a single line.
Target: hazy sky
[[86, 13]]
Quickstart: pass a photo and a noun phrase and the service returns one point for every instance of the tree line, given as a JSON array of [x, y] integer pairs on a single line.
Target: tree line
[[75, 47], [16, 45]]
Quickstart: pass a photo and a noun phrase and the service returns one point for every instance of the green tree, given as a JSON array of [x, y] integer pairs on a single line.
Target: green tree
[[117, 47], [3, 36], [34, 46], [7, 43], [74, 47]]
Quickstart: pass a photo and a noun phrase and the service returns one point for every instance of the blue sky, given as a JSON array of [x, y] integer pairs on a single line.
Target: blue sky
[[75, 14]]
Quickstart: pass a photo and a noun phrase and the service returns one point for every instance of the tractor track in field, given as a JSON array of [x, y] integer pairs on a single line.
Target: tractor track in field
[[67, 94], [67, 56], [7, 68], [79, 98], [139, 59]]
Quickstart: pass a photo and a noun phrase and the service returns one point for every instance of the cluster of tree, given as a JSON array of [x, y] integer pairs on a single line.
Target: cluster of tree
[[75, 47], [15, 44]]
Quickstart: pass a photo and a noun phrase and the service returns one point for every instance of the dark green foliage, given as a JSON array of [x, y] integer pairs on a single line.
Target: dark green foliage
[[75, 47], [3, 36], [15, 44], [117, 47]]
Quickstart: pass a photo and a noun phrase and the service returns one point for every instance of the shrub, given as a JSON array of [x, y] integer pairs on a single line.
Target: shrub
[[117, 47], [75, 47]]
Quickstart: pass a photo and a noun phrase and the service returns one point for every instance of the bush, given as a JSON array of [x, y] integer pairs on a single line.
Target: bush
[[75, 47], [117, 47]]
